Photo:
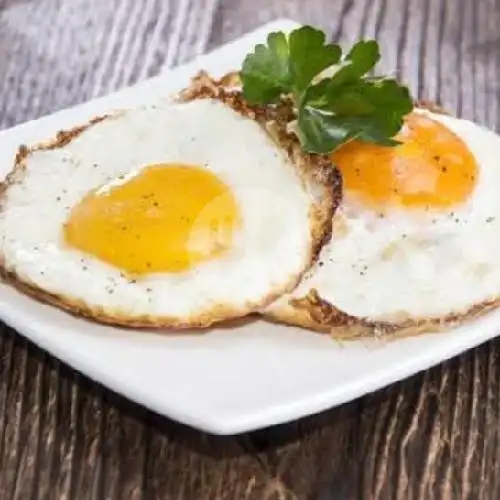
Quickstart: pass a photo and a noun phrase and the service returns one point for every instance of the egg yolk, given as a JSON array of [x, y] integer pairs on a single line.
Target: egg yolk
[[166, 218], [432, 167]]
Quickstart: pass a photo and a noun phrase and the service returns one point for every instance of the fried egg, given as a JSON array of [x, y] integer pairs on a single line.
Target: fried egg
[[415, 241], [176, 214]]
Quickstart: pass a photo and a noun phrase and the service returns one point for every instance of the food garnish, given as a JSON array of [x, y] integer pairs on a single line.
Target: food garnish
[[335, 96]]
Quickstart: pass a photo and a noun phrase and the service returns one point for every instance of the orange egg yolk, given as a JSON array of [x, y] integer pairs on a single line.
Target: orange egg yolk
[[431, 168], [167, 218]]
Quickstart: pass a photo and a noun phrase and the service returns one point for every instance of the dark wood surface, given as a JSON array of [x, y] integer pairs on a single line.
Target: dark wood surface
[[434, 436]]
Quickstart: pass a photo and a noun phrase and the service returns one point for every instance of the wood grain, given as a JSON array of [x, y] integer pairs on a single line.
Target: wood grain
[[433, 436]]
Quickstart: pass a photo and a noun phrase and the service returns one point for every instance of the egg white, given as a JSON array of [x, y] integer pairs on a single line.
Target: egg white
[[270, 252], [412, 265]]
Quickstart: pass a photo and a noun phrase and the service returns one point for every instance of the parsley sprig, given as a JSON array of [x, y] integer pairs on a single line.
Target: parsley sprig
[[331, 110]]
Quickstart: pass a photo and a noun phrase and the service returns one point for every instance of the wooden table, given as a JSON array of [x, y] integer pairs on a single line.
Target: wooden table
[[434, 436]]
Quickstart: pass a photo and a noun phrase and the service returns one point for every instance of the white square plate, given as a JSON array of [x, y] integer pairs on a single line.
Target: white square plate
[[228, 380]]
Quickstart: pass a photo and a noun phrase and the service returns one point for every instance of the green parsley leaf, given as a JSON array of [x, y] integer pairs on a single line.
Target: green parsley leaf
[[266, 73], [345, 105], [369, 111], [286, 65], [361, 59], [309, 56], [319, 130]]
